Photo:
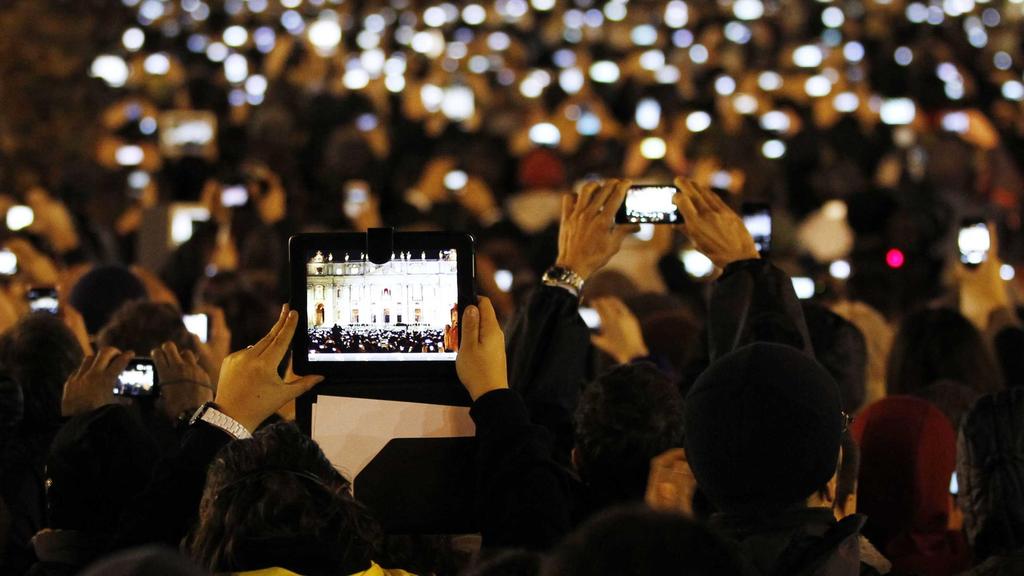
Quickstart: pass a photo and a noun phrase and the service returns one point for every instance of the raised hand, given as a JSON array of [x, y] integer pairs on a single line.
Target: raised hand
[[588, 236], [671, 484], [714, 228], [620, 336], [250, 389], [184, 384], [481, 361], [92, 385]]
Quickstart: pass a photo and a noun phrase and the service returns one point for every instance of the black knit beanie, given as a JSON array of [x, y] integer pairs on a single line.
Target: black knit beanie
[[763, 428]]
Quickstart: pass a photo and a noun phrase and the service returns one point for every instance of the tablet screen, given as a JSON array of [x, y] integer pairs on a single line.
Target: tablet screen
[[405, 309]]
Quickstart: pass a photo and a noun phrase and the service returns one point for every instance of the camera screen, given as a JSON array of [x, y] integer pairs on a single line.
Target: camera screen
[[759, 224], [137, 379], [43, 300], [405, 309], [197, 324], [974, 243], [649, 205]]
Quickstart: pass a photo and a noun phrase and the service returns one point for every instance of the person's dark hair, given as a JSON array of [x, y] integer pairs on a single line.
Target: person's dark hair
[[940, 344], [249, 313], [849, 467], [97, 463], [276, 501], [142, 326], [990, 471], [840, 347], [637, 540], [627, 416], [39, 353], [507, 563], [103, 291]]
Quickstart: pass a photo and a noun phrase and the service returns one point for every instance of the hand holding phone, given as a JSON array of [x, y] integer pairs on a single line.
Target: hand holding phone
[[757, 218], [94, 383]]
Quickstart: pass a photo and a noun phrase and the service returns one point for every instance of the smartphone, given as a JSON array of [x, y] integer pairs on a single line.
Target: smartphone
[[357, 194], [973, 242], [234, 195], [183, 217], [138, 379], [43, 300], [956, 122], [757, 217], [804, 287], [8, 263], [649, 205], [954, 485], [591, 318], [198, 324], [188, 133]]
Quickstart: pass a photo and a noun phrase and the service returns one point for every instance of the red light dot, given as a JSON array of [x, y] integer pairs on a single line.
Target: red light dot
[[894, 258]]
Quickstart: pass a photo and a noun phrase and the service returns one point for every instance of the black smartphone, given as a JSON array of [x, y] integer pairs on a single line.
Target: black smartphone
[[973, 242], [198, 324], [138, 379], [649, 205], [43, 300], [757, 217]]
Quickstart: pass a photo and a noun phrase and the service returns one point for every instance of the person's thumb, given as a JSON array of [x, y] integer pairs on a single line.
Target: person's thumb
[[603, 343], [298, 387], [470, 326]]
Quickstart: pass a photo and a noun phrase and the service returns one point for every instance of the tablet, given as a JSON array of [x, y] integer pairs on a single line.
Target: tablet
[[369, 317]]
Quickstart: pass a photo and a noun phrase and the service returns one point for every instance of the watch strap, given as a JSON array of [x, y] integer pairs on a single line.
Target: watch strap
[[210, 414]]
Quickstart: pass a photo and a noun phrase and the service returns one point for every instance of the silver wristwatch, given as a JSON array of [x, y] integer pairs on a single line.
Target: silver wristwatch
[[563, 278], [211, 415]]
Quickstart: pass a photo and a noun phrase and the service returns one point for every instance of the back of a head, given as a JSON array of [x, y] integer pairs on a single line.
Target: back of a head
[[878, 336], [103, 291], [144, 561], [990, 470], [908, 451], [142, 326], [940, 344], [763, 429], [639, 541], [627, 416], [97, 463], [39, 353], [276, 501], [840, 347]]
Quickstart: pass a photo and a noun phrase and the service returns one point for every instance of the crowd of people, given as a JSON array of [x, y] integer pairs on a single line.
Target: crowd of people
[[363, 339], [847, 403]]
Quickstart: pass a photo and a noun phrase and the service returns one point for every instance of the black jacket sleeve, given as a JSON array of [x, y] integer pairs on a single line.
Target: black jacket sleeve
[[548, 361], [754, 301], [169, 506], [524, 494]]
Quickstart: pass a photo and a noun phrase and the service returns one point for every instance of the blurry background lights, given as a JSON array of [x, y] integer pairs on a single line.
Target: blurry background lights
[[903, 56], [834, 210], [698, 121], [235, 36], [845, 102], [111, 69], [474, 14], [807, 56], [571, 80], [840, 269], [19, 217], [894, 258], [853, 51], [1013, 90], [775, 121], [504, 280], [748, 9], [133, 39], [653, 148], [769, 81], [216, 52], [744, 103], [324, 34], [1006, 272], [648, 114], [832, 17], [773, 149], [697, 264], [698, 54], [456, 180], [542, 5], [644, 35], [817, 86], [677, 14], [804, 287], [616, 10], [545, 134], [129, 155], [157, 64], [604, 71], [725, 85], [897, 111], [236, 68]]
